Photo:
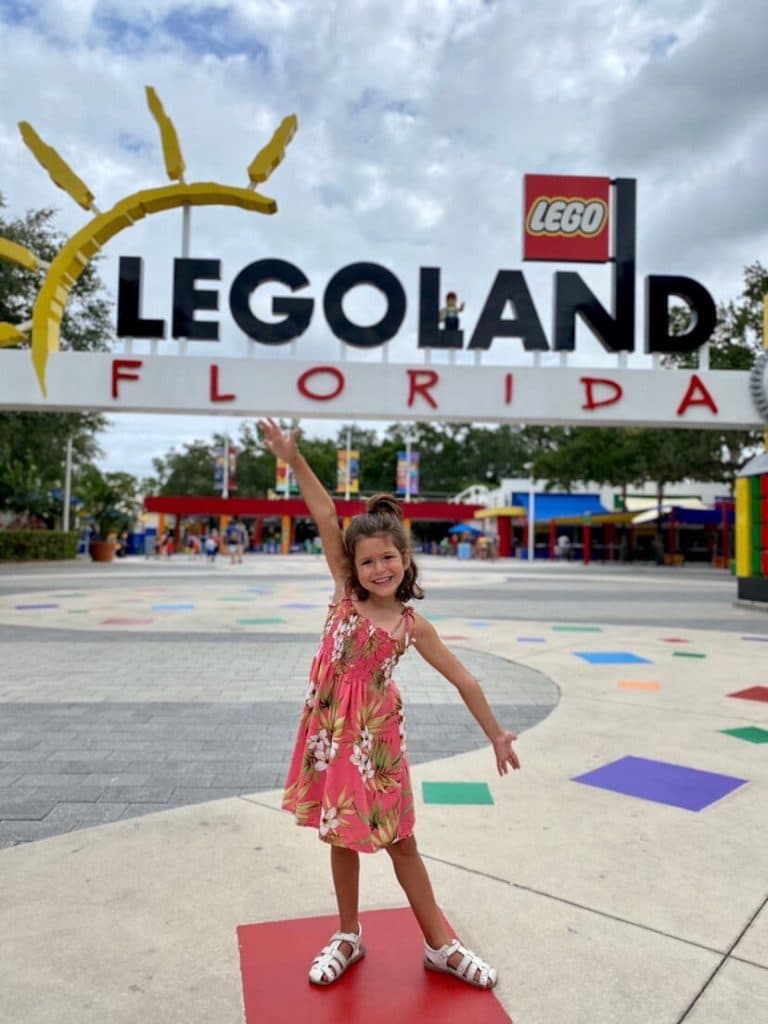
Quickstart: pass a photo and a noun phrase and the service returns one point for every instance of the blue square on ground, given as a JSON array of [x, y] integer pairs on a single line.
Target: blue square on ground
[[664, 783], [612, 658]]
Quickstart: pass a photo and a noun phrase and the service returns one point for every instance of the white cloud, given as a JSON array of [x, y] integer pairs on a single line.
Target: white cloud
[[417, 122]]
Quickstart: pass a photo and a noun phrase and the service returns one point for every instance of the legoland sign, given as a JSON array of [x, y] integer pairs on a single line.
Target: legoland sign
[[565, 219]]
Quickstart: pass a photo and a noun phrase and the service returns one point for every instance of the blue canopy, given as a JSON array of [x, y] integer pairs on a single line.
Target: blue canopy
[[466, 528], [560, 506]]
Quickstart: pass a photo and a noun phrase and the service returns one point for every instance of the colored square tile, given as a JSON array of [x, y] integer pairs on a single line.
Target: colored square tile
[[577, 629], [687, 654], [612, 658], [172, 607], [750, 733], [478, 625], [636, 684], [757, 639], [34, 607], [388, 984], [531, 640], [260, 622], [456, 793], [674, 640], [300, 605], [752, 693], [67, 595], [236, 600], [663, 783]]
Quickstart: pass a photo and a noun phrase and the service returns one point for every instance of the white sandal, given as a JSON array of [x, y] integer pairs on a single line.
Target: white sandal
[[466, 970], [330, 963]]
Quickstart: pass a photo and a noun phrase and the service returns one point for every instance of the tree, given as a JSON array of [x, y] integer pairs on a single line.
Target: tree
[[736, 341], [33, 444]]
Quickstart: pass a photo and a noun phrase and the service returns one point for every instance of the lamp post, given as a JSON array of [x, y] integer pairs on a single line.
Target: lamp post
[[408, 439], [528, 467], [67, 484]]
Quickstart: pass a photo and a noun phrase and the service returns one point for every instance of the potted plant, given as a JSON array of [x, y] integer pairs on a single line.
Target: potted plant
[[109, 501]]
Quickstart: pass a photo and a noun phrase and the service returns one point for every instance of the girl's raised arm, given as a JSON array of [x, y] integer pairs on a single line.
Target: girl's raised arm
[[319, 501]]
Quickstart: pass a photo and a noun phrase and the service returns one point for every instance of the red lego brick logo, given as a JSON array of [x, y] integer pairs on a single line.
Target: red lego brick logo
[[566, 218]]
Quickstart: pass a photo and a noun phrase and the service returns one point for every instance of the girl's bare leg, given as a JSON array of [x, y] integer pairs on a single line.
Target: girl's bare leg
[[412, 875], [345, 868]]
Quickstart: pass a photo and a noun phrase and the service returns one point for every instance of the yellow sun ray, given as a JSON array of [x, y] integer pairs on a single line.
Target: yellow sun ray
[[268, 158], [10, 335], [174, 161], [58, 168], [12, 252]]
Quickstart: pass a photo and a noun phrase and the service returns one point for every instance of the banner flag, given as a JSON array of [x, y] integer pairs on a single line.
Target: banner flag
[[218, 472], [402, 470], [354, 471]]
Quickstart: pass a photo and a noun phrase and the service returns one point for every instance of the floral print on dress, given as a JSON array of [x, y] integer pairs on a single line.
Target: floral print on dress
[[349, 775]]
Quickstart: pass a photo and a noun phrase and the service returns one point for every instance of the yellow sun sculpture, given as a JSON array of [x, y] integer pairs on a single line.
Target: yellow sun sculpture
[[44, 329]]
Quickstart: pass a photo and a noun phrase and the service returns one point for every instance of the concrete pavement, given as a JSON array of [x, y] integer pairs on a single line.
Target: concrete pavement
[[596, 906]]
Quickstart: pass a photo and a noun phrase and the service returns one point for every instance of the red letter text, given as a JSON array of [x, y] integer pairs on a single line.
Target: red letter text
[[303, 383], [590, 383], [118, 366], [696, 394], [419, 383], [216, 395]]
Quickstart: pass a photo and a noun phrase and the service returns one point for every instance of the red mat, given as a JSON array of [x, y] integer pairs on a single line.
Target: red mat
[[388, 986]]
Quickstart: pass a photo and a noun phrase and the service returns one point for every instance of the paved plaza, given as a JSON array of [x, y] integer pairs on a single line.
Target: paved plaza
[[148, 710]]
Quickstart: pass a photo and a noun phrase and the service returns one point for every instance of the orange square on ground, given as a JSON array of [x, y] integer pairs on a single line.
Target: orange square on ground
[[388, 986], [632, 684]]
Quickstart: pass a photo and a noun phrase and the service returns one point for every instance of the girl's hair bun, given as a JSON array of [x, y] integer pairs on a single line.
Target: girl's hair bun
[[385, 504]]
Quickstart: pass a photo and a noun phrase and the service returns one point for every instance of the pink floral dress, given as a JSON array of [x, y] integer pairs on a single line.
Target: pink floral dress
[[349, 772]]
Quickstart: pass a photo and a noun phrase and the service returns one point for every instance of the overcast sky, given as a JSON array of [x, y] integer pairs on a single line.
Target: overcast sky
[[417, 122]]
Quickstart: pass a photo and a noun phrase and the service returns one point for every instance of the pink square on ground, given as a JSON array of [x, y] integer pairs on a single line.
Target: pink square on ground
[[388, 986], [752, 693]]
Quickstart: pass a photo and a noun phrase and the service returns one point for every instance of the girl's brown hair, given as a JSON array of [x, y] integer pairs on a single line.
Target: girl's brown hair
[[384, 516]]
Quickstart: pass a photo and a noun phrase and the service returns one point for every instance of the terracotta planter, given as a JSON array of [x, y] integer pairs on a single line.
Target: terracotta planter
[[102, 550]]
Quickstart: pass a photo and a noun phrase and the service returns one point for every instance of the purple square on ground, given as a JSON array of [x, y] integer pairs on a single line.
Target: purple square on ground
[[612, 658], [661, 782], [34, 607]]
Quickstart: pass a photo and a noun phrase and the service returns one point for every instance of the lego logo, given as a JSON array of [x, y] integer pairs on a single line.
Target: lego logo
[[758, 385], [567, 217]]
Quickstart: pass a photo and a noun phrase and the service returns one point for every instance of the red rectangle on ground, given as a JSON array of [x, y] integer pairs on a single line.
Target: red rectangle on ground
[[565, 218], [752, 693], [388, 986]]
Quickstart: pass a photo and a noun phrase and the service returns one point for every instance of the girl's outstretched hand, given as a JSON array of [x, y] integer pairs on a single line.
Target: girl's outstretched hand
[[505, 754], [281, 445]]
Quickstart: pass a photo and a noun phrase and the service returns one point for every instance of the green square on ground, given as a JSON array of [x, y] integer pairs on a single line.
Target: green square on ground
[[260, 622], [687, 654], [456, 793], [750, 733], [577, 629]]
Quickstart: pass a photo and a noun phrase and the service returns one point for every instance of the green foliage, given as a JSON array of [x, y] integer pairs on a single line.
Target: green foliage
[[110, 498], [34, 545], [32, 444]]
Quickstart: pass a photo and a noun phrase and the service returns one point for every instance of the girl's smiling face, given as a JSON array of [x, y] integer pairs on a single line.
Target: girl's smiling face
[[379, 565]]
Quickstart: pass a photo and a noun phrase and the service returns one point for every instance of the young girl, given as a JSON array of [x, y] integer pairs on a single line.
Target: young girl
[[349, 773]]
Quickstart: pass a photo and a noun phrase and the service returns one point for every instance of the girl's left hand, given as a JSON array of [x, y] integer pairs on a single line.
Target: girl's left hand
[[505, 754]]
